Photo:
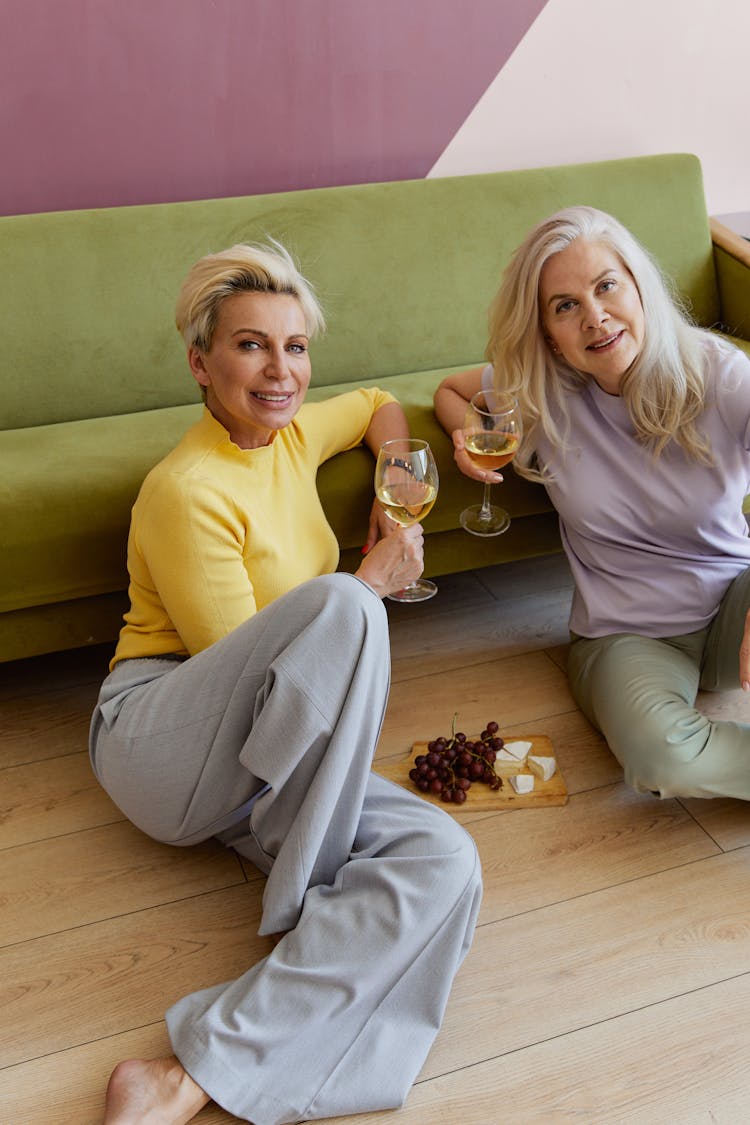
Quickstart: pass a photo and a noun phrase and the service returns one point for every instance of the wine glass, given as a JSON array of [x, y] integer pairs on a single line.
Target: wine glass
[[406, 484], [492, 432]]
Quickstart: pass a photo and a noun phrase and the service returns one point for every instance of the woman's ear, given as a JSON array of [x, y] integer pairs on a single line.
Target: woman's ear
[[198, 366], [551, 345]]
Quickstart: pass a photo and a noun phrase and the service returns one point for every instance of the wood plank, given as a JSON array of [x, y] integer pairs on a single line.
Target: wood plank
[[74, 880], [455, 591], [521, 689], [136, 966], [726, 821], [52, 797], [36, 727], [683, 1061], [474, 635], [527, 578], [591, 959], [534, 857], [559, 654]]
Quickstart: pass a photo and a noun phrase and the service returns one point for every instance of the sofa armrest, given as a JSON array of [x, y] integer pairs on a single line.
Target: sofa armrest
[[734, 244], [732, 262]]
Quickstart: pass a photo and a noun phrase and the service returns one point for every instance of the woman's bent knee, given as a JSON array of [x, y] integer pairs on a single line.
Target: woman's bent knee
[[469, 869], [450, 848], [661, 758], [342, 607], [353, 597]]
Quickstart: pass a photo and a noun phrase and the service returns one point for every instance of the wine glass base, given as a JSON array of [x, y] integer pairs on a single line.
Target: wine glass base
[[476, 522], [419, 591]]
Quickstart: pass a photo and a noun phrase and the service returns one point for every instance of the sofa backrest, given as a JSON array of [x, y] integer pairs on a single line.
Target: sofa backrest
[[405, 272]]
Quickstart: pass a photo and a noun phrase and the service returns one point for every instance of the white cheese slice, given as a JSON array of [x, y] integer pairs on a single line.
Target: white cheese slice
[[542, 767], [508, 767], [514, 751], [523, 782]]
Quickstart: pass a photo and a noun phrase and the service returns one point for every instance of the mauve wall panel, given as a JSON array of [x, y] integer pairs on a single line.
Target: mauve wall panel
[[108, 102]]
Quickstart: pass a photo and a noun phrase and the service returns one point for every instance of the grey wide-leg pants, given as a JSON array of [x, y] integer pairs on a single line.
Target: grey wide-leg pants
[[265, 740], [640, 693]]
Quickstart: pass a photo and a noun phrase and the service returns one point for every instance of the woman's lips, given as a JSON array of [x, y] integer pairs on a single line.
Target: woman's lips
[[607, 342], [278, 399]]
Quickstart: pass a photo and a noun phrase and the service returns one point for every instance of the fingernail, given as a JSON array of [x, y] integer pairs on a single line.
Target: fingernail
[[745, 685], [365, 549]]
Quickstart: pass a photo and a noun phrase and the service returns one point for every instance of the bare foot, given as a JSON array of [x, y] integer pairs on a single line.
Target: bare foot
[[152, 1092]]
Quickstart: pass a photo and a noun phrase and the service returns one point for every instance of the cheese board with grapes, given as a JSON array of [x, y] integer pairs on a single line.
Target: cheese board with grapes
[[481, 773]]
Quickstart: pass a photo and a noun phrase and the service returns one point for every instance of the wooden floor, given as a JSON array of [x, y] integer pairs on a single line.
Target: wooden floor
[[609, 980]]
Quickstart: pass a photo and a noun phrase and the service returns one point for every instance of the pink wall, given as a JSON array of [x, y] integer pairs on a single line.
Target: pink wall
[[593, 81], [110, 102]]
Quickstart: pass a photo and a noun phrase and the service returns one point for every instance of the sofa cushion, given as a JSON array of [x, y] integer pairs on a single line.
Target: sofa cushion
[[65, 496]]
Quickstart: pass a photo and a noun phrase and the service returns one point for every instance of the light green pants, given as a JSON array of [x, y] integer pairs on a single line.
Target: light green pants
[[640, 693]]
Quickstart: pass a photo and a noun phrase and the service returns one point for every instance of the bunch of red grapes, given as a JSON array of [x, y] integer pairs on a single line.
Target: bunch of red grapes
[[452, 765]]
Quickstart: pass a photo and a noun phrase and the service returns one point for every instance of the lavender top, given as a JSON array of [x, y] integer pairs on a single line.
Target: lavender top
[[653, 544]]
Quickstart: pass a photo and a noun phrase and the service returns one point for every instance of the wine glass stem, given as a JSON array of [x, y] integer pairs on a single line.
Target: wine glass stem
[[486, 511]]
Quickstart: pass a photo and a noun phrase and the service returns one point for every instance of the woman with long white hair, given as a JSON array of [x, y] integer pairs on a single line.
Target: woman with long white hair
[[637, 422]]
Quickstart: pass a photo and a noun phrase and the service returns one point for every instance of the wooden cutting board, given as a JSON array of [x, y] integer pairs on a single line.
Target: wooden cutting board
[[480, 798]]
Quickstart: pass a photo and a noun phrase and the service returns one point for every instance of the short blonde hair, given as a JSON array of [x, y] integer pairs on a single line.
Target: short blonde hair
[[664, 389], [243, 268]]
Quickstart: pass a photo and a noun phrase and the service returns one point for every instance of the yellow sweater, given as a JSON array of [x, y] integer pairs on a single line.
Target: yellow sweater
[[218, 532]]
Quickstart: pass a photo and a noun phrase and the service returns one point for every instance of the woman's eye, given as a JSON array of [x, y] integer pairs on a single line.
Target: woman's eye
[[249, 345], [297, 349], [564, 306], [608, 284]]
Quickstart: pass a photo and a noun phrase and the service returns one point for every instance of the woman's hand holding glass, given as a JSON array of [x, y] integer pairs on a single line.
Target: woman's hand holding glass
[[406, 485], [394, 561], [489, 440]]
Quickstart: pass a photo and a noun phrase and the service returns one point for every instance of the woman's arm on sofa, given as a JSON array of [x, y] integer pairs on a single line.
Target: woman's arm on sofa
[[450, 402], [388, 422]]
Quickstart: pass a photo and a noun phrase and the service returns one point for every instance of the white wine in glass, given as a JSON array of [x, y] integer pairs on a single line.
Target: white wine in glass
[[492, 432], [406, 484]]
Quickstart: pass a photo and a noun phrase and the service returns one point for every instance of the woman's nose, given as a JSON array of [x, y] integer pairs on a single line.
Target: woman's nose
[[277, 362], [594, 314]]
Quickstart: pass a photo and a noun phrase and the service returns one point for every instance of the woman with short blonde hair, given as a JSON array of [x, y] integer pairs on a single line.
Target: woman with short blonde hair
[[244, 703]]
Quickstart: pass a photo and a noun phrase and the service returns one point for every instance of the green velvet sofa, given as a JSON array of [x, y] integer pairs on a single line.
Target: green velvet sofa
[[96, 389]]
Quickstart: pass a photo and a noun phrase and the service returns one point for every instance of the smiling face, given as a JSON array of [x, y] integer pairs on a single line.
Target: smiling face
[[591, 311], [257, 370]]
